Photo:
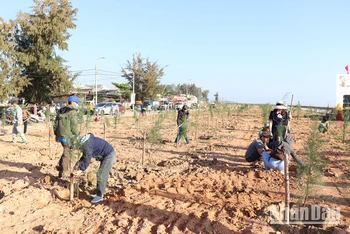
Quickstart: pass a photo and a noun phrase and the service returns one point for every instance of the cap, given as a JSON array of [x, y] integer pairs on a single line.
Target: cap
[[82, 139], [73, 98], [14, 100], [266, 125], [265, 134]]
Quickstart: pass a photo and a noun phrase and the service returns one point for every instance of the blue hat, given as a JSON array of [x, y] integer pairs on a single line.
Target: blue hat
[[73, 99]]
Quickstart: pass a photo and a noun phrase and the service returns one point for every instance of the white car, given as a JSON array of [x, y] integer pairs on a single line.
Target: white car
[[104, 108], [108, 108]]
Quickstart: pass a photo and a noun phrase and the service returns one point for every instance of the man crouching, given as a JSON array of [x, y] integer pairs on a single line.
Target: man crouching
[[256, 148]]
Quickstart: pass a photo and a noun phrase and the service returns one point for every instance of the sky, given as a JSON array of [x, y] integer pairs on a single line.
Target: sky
[[248, 51]]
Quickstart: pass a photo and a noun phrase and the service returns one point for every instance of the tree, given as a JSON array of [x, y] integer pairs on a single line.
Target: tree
[[37, 36], [124, 90], [11, 81], [147, 76], [205, 94]]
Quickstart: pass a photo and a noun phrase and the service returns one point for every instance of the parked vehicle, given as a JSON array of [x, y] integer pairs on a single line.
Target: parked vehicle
[[117, 108], [104, 108], [147, 103]]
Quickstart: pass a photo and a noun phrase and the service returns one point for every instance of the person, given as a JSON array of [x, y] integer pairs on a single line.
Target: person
[[58, 107], [323, 127], [256, 148], [181, 121], [143, 111], [149, 108], [279, 117], [265, 128], [91, 108], [17, 121], [273, 163], [101, 150], [35, 109], [65, 127]]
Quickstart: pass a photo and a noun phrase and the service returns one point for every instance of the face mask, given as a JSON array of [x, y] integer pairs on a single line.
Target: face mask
[[76, 106]]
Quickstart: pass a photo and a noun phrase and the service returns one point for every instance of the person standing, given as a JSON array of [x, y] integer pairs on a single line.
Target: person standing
[[65, 127], [278, 121], [17, 122], [182, 118], [101, 150]]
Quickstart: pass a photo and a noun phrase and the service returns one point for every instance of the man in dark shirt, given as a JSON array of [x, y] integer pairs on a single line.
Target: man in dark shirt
[[101, 150], [181, 121], [256, 148]]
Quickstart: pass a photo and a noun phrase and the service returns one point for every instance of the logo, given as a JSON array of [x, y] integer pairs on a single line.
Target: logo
[[313, 214]]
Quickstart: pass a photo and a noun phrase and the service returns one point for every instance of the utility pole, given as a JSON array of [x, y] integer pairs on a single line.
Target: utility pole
[[96, 79]]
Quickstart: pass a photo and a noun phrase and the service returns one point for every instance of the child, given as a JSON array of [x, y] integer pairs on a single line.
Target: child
[[323, 127]]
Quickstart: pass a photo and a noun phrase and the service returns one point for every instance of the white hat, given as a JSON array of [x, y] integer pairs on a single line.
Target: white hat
[[280, 105]]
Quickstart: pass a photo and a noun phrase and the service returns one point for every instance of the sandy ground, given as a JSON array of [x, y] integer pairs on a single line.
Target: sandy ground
[[202, 187]]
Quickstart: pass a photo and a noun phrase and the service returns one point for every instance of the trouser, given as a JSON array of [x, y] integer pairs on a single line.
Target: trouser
[[18, 130], [182, 132], [25, 127], [270, 162], [103, 173], [64, 163]]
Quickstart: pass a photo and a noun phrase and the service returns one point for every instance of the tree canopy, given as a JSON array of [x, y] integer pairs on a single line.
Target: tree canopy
[[29, 63], [147, 76]]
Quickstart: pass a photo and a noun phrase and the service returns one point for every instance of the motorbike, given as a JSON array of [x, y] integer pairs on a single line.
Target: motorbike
[[38, 118]]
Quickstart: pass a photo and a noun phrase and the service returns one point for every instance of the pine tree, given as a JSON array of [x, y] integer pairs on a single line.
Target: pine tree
[[37, 36], [147, 77]]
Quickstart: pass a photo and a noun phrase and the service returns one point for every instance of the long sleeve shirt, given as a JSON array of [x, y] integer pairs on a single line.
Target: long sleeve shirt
[[94, 147], [17, 115]]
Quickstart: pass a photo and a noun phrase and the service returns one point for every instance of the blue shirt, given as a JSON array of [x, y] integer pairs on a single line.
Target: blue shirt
[[94, 147]]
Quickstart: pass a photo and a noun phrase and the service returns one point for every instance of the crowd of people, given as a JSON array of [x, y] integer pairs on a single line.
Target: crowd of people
[[274, 141], [273, 144]]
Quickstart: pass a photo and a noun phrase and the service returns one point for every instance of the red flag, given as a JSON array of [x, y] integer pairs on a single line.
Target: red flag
[[347, 69]]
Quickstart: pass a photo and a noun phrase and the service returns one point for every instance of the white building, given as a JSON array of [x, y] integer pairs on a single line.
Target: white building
[[342, 90]]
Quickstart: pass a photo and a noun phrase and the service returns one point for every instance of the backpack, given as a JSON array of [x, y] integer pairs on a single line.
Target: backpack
[[25, 114], [278, 152]]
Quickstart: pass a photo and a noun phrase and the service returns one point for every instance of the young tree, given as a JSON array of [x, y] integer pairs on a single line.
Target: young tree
[[147, 76], [205, 94]]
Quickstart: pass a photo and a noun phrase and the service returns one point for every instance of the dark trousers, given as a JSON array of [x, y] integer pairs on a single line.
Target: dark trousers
[[103, 173], [64, 163]]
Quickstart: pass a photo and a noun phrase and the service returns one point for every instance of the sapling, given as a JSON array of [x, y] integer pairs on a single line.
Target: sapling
[[315, 163], [265, 111], [154, 134], [298, 110]]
